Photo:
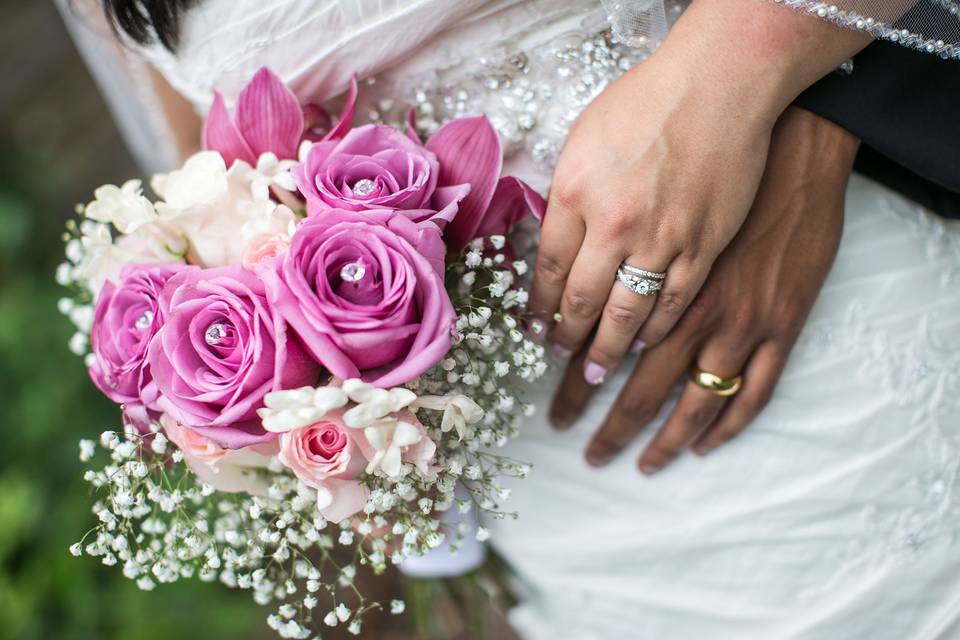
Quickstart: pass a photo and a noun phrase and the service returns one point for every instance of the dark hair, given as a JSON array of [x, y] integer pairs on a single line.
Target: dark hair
[[148, 20]]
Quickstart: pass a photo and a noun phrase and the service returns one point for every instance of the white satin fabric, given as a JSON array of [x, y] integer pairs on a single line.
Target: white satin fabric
[[835, 517]]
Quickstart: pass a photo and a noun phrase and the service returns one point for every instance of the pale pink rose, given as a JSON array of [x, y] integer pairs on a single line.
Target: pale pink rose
[[228, 470], [327, 456], [264, 248]]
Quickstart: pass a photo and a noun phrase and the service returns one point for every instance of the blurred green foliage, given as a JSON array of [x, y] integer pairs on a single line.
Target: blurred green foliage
[[47, 404]]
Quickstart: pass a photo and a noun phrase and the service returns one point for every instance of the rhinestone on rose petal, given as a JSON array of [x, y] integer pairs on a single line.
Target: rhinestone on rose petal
[[364, 187], [215, 333], [353, 272], [144, 321]]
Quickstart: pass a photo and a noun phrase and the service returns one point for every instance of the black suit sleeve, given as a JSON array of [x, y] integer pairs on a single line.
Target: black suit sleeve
[[905, 107]]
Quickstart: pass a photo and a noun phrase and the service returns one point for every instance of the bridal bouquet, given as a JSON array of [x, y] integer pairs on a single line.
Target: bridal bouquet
[[314, 335]]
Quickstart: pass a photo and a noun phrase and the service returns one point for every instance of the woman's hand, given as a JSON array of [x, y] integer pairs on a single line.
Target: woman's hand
[[748, 314], [660, 171]]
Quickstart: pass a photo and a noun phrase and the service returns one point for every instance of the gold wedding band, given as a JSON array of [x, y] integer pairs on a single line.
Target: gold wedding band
[[723, 387]]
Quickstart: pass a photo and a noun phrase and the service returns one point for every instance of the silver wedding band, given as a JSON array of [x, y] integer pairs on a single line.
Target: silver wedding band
[[640, 281]]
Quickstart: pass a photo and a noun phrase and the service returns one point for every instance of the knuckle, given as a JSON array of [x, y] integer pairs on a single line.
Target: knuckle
[[694, 418], [567, 191], [580, 303], [634, 411], [550, 270], [700, 310], [620, 221], [622, 318], [672, 302], [744, 319]]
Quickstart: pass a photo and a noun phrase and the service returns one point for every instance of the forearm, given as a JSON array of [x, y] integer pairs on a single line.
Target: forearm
[[760, 55]]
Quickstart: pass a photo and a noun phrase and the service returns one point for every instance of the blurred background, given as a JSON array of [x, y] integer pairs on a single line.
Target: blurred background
[[57, 144]]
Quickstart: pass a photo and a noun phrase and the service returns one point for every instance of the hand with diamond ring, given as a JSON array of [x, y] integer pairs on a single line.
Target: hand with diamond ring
[[659, 171], [747, 317]]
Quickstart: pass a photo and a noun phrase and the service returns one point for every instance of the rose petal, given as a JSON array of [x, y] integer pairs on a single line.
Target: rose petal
[[337, 500]]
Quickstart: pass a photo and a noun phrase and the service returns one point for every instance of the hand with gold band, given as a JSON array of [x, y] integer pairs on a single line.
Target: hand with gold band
[[659, 172], [732, 343]]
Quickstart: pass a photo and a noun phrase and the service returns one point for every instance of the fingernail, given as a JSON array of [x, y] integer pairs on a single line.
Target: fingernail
[[637, 346], [561, 352], [594, 374], [595, 459], [702, 450], [648, 469], [561, 422]]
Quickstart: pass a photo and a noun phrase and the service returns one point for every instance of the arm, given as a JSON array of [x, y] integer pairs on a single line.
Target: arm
[[159, 126], [184, 123]]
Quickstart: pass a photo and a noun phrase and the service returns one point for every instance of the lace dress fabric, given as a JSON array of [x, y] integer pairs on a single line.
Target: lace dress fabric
[[834, 517]]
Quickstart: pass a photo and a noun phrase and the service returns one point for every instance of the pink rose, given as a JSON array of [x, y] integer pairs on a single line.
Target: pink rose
[[264, 249], [377, 167], [327, 456], [229, 470], [126, 319], [366, 295], [220, 351]]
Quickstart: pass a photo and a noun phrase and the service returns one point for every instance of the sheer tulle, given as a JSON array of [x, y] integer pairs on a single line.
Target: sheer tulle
[[932, 26]]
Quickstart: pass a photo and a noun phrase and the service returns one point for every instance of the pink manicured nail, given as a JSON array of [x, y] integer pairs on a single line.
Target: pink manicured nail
[[637, 346], [594, 374], [648, 469], [561, 352]]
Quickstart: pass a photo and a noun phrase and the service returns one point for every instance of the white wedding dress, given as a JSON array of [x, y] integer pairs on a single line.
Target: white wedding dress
[[835, 517]]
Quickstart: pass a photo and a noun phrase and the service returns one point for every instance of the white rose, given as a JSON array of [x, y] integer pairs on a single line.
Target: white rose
[[124, 207], [103, 258], [217, 210]]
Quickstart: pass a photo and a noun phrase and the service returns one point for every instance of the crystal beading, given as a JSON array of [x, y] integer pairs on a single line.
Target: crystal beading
[[353, 272], [363, 187], [144, 321], [215, 333], [531, 96]]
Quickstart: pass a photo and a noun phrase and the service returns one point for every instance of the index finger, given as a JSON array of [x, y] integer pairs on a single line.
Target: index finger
[[560, 239]]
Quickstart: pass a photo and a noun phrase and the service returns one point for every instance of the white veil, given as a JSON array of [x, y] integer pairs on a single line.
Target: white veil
[[125, 82]]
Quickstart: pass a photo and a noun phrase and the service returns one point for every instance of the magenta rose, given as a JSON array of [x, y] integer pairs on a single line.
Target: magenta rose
[[220, 350], [365, 294], [126, 319], [377, 167]]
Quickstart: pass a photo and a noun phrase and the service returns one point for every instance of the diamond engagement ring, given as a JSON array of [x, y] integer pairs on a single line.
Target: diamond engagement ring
[[640, 281]]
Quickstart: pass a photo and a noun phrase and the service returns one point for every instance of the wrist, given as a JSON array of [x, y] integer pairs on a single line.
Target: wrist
[[757, 55]]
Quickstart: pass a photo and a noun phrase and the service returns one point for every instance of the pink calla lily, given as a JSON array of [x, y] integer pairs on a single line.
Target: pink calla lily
[[268, 117], [469, 152], [513, 201]]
